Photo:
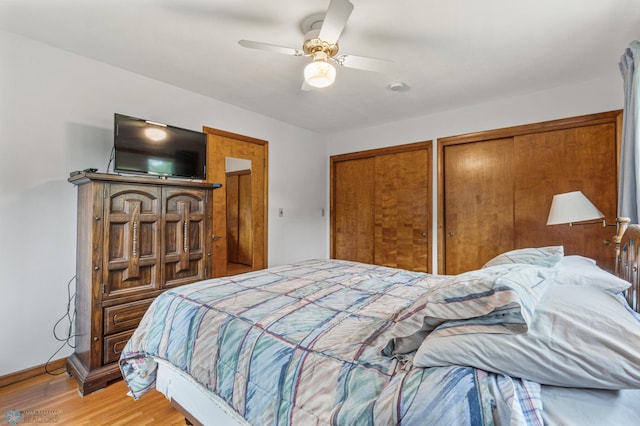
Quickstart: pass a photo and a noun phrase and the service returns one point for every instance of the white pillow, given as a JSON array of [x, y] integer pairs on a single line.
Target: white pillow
[[540, 256], [581, 336], [578, 270]]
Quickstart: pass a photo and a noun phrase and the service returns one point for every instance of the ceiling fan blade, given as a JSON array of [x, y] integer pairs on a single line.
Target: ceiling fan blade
[[364, 63], [271, 48], [335, 19]]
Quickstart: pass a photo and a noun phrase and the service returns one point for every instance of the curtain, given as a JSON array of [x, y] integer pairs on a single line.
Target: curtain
[[628, 197]]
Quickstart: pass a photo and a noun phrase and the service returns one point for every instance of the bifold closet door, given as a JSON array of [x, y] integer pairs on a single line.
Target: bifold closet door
[[354, 210], [381, 206], [478, 203], [402, 203]]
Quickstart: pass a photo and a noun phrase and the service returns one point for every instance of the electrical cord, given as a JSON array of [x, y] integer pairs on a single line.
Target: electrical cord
[[111, 157], [66, 339]]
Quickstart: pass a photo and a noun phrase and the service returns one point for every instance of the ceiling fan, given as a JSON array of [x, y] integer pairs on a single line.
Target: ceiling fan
[[322, 32]]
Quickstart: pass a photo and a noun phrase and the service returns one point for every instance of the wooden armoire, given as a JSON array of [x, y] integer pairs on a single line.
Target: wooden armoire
[[137, 237], [495, 189], [381, 206]]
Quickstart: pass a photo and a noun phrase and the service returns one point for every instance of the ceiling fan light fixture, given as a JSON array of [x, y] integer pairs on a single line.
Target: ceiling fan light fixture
[[322, 31], [320, 73]]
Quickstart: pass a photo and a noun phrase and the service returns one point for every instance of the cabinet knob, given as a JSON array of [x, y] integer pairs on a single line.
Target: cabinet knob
[[216, 237], [97, 217], [450, 234], [96, 268], [95, 339], [423, 234]]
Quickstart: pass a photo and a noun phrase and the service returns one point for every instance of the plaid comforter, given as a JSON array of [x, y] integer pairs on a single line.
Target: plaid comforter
[[301, 344]]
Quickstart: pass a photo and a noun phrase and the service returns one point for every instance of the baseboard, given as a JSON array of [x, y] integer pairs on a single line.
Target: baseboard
[[18, 376]]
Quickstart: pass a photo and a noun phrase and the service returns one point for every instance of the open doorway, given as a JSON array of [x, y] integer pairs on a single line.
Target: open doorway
[[240, 163], [239, 220]]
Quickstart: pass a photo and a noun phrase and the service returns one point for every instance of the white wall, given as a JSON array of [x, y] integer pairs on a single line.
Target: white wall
[[56, 112], [56, 115], [599, 95]]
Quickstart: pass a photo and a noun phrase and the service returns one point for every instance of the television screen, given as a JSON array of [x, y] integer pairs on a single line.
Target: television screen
[[147, 147]]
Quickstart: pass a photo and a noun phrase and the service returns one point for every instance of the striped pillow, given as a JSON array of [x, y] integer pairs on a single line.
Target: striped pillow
[[541, 256], [499, 299]]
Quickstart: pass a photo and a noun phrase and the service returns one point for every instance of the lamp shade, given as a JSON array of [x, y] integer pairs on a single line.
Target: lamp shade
[[320, 73], [572, 207]]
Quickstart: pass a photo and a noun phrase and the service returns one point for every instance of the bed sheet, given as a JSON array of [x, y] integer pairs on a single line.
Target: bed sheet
[[590, 407], [562, 406]]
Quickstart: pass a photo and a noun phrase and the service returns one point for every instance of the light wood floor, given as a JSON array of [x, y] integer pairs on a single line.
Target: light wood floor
[[237, 268], [58, 396]]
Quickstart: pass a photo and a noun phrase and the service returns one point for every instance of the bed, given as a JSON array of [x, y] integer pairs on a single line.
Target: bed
[[533, 337]]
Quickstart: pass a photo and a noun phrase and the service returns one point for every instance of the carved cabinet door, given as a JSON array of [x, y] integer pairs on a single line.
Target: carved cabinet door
[[131, 240], [185, 242]]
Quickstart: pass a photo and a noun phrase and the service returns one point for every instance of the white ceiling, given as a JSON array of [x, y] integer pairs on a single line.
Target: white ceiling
[[449, 53]]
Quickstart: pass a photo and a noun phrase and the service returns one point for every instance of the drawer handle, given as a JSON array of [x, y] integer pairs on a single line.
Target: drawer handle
[[116, 316], [117, 348]]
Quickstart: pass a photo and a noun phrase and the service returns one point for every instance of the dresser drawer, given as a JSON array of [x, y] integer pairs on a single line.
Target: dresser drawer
[[124, 317], [114, 344]]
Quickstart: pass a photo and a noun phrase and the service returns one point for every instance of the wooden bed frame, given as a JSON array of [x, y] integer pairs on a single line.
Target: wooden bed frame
[[627, 242]]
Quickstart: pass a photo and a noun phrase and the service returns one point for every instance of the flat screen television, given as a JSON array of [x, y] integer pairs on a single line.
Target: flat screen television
[[146, 147]]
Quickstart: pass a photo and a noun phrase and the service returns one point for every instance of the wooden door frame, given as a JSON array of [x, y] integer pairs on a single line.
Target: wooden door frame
[[560, 124], [220, 207]]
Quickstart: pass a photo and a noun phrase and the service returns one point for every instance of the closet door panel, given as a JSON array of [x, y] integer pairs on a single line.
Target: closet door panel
[[354, 210], [402, 219], [478, 203], [548, 163]]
